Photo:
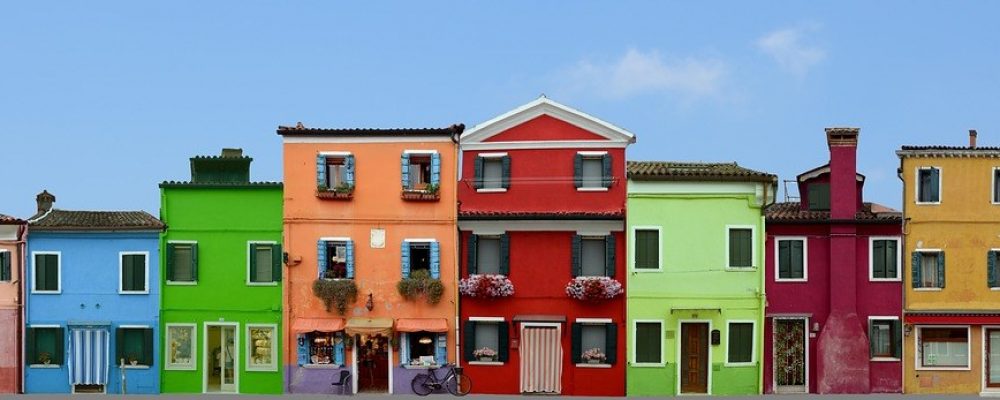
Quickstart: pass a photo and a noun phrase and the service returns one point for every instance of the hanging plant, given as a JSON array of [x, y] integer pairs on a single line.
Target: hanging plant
[[336, 292], [419, 284], [593, 288], [490, 286]]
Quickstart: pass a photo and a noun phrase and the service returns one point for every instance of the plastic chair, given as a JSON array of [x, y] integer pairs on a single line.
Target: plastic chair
[[344, 382]]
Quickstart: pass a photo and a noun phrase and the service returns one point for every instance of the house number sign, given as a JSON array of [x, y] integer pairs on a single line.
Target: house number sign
[[378, 238]]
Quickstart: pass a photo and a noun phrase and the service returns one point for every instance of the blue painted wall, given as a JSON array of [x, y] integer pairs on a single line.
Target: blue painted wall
[[89, 282]]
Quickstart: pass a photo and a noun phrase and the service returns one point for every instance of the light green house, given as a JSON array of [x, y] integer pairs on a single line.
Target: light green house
[[696, 283], [221, 261]]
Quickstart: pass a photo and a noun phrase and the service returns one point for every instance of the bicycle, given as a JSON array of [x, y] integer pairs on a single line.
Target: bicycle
[[454, 381]]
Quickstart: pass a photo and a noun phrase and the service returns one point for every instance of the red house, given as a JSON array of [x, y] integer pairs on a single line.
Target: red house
[[541, 221], [833, 284]]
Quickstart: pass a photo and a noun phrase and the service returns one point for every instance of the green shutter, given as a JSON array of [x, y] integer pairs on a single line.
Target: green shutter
[[503, 352], [577, 339], [477, 171], [276, 257], [991, 269], [784, 259], [505, 254], [505, 172], [252, 257], [578, 170], [609, 256], [58, 355], [119, 346], [5, 273], [871, 338], [940, 269], [740, 250], [878, 259], [52, 272], [891, 260], [915, 270], [194, 262], [170, 261], [897, 338], [798, 259], [140, 272], [40, 271], [611, 343], [472, 262], [641, 251], [608, 178], [147, 347], [128, 273], [577, 247], [470, 340], [30, 352], [819, 196]]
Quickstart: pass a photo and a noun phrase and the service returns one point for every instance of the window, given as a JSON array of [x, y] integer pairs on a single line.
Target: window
[[424, 349], [996, 185], [592, 170], [740, 344], [486, 340], [421, 256], [647, 248], [594, 342], [262, 347], [791, 259], [648, 345], [134, 270], [993, 268], [321, 348], [943, 347], [44, 346], [929, 185], [134, 345], [884, 259], [5, 271], [594, 250], [46, 277], [335, 172], [336, 259], [182, 262], [740, 247], [819, 196], [928, 269], [180, 348], [488, 255], [885, 338], [420, 170], [264, 263]]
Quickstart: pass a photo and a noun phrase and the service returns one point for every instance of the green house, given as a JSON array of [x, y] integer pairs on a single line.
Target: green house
[[695, 283], [221, 280]]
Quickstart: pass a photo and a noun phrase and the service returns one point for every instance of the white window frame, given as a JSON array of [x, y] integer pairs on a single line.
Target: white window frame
[[492, 156], [753, 342], [193, 365], [44, 326], [274, 348], [916, 185], [249, 280], [180, 283], [871, 259], [34, 272], [11, 265], [918, 356], [591, 155], [663, 350], [873, 318], [121, 272], [753, 249], [993, 178], [927, 289], [777, 259], [659, 248]]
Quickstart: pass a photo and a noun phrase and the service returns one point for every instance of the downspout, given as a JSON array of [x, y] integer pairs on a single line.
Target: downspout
[[458, 249], [20, 244], [902, 289], [762, 318]]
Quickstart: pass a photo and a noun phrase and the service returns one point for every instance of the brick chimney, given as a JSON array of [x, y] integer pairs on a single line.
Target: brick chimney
[[972, 138], [45, 201], [843, 144]]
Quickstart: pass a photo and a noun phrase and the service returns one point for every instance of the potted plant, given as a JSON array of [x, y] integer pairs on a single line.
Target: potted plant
[[490, 286], [132, 359], [45, 358], [419, 284], [594, 288], [593, 356], [485, 354], [336, 292], [344, 188]]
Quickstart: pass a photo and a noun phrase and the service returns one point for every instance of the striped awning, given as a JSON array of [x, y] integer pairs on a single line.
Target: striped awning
[[541, 360], [88, 356]]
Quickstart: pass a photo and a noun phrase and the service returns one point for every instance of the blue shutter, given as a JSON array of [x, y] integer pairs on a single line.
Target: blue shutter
[[404, 162], [349, 169], [303, 352], [404, 348], [435, 260], [940, 269], [350, 259], [320, 170], [338, 351], [441, 350], [436, 169], [404, 262], [321, 257]]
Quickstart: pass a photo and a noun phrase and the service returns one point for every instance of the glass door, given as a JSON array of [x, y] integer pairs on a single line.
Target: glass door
[[993, 357], [222, 358], [228, 357]]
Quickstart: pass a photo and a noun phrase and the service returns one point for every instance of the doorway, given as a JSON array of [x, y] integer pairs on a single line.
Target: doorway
[[541, 358], [222, 357], [694, 357], [791, 355], [373, 363]]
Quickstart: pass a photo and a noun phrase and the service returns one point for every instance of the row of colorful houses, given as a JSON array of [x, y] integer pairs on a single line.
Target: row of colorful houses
[[526, 249]]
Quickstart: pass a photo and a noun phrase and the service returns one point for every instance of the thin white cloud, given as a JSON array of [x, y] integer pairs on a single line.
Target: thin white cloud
[[786, 47], [638, 73]]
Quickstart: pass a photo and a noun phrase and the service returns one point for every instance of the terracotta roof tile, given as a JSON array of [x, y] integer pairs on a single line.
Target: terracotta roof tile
[[495, 214], [8, 220], [301, 130], [793, 212], [673, 170], [59, 220]]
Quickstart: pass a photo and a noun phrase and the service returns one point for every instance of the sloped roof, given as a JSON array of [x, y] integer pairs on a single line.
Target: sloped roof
[[546, 106], [792, 212], [8, 220], [301, 130], [679, 171], [63, 220], [522, 215], [948, 151]]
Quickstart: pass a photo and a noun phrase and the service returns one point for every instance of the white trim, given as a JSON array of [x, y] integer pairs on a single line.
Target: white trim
[[592, 189], [777, 258], [753, 344], [32, 326], [486, 363], [491, 190], [753, 249], [274, 347], [236, 356], [354, 365], [334, 153], [541, 225], [659, 251], [634, 363], [918, 356], [335, 239], [544, 325], [901, 341], [249, 281], [916, 185], [871, 259], [180, 283], [545, 145], [774, 349], [592, 154], [545, 106], [135, 327], [589, 365], [318, 138], [984, 336], [708, 362], [594, 321], [420, 152], [34, 272], [420, 240], [121, 267], [492, 155], [389, 369], [487, 319]]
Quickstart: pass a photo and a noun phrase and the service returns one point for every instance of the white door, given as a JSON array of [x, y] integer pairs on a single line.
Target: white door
[[221, 358]]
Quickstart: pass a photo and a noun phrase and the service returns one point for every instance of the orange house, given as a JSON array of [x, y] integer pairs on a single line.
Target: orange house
[[370, 234]]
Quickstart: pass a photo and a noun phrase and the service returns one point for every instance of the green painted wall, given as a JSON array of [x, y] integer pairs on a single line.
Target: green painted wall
[[694, 283], [222, 220]]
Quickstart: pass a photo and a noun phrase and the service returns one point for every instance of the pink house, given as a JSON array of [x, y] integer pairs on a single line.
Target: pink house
[[833, 284], [12, 236]]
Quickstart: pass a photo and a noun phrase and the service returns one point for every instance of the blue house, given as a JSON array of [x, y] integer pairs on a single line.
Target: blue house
[[93, 301]]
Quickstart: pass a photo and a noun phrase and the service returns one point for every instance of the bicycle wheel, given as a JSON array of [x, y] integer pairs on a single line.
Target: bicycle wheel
[[459, 385], [419, 385]]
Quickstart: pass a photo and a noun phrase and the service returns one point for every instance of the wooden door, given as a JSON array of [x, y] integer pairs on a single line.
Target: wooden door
[[373, 364], [694, 358]]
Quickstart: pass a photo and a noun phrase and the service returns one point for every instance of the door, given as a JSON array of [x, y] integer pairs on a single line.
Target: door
[[373, 363], [222, 358], [541, 359], [993, 357], [694, 358], [790, 364]]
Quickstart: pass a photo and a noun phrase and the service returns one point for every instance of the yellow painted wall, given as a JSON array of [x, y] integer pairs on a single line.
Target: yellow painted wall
[[951, 382]]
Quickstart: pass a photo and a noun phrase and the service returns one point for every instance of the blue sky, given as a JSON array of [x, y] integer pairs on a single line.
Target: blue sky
[[100, 101]]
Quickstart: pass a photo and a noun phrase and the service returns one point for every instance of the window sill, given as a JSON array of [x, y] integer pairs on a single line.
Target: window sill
[[134, 293], [885, 279], [421, 366], [592, 189], [943, 369], [648, 365], [180, 368], [927, 289], [588, 365], [742, 269], [419, 195], [995, 289], [932, 203], [486, 363], [262, 283], [46, 292], [137, 366], [331, 195], [740, 365], [262, 369], [645, 270], [182, 283], [885, 359], [791, 280], [491, 190], [322, 366], [45, 366]]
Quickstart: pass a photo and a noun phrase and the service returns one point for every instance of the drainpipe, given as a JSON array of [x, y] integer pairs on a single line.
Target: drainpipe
[[902, 289], [458, 250], [20, 244], [763, 283]]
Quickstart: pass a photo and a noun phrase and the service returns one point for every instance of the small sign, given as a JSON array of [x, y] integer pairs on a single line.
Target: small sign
[[378, 238], [716, 337]]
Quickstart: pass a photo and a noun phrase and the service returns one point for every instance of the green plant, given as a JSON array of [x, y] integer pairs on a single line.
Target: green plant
[[344, 187], [419, 284], [322, 187], [432, 188], [44, 357], [339, 293]]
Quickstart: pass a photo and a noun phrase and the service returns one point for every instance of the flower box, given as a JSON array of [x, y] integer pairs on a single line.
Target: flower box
[[488, 286], [594, 288], [420, 195], [331, 195]]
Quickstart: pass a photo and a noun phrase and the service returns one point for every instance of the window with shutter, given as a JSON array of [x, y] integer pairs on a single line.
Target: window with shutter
[[487, 342], [819, 196], [884, 259], [929, 185], [44, 346], [996, 185], [993, 268], [338, 260], [740, 247], [5, 269], [131, 346], [133, 273], [791, 259], [646, 249], [592, 172], [593, 256], [261, 263], [419, 257], [648, 342], [420, 170], [739, 346], [488, 254], [593, 344], [46, 273], [182, 262], [493, 173], [931, 269]]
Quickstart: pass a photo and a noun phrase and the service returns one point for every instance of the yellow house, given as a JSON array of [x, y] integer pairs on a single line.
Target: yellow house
[[951, 214]]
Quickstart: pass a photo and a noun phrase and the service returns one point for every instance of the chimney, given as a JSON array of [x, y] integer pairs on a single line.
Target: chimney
[[232, 153], [843, 144], [972, 138], [45, 200]]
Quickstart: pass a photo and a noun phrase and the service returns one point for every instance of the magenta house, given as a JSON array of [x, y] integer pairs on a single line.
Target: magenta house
[[833, 284]]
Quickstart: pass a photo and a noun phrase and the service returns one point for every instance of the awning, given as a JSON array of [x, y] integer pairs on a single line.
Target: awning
[[305, 325], [369, 326], [969, 318], [539, 318], [421, 324]]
